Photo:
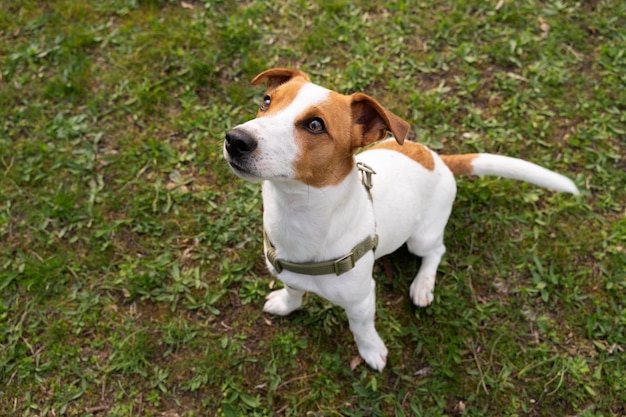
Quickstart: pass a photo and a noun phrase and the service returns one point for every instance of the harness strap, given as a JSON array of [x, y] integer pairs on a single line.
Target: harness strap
[[336, 266]]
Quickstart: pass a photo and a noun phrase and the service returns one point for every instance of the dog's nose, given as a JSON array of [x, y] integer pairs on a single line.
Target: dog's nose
[[239, 143]]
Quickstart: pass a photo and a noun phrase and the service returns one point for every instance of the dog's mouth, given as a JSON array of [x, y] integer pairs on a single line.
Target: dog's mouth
[[242, 171], [239, 169]]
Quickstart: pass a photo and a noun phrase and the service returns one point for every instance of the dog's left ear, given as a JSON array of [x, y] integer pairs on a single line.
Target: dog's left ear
[[372, 121], [278, 76]]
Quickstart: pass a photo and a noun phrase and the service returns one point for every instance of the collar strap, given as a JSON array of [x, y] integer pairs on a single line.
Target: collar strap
[[336, 266]]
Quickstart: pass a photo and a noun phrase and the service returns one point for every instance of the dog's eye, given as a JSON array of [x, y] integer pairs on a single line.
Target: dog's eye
[[265, 104], [315, 125]]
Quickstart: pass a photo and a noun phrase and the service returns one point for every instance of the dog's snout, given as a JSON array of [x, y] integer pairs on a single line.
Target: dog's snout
[[239, 143]]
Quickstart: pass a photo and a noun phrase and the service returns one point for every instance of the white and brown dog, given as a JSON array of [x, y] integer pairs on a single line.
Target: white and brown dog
[[321, 219]]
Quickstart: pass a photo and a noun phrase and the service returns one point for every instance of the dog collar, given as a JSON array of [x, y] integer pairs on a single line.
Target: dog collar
[[336, 266]]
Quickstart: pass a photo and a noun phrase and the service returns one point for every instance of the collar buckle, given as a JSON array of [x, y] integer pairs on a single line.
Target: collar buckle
[[366, 175], [344, 263]]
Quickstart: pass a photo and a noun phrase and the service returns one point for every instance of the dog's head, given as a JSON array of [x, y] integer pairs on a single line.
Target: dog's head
[[305, 132]]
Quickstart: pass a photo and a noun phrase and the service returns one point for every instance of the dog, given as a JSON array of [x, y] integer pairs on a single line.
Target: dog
[[330, 212]]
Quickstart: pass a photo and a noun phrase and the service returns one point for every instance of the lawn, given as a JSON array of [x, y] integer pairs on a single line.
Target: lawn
[[131, 275]]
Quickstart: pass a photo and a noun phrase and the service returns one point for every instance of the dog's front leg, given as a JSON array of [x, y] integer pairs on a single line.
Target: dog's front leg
[[361, 316], [284, 301]]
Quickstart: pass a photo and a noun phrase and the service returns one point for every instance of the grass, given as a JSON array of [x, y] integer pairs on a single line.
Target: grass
[[131, 278]]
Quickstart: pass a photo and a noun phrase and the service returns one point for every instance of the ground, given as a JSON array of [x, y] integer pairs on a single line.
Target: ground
[[131, 277]]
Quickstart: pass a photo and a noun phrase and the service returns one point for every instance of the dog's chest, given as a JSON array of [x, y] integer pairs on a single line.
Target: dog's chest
[[307, 224]]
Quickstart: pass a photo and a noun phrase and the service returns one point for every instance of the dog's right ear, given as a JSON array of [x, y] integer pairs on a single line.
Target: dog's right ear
[[278, 76]]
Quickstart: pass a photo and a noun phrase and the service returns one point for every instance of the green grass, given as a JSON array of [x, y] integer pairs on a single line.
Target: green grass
[[131, 278]]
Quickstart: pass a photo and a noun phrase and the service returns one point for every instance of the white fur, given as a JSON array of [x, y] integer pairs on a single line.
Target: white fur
[[507, 167]]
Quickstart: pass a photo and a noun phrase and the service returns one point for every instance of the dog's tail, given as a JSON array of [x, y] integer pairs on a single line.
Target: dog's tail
[[507, 167]]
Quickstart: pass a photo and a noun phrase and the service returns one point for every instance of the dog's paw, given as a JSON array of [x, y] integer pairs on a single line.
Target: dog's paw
[[422, 293], [375, 355], [281, 303]]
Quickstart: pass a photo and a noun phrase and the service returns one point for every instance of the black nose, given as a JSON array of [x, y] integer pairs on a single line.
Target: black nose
[[239, 143]]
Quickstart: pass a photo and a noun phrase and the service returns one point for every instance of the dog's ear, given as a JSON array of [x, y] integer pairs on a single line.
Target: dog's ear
[[372, 121], [278, 76]]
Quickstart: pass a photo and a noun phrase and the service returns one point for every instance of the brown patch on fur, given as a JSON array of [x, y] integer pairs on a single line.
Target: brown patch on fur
[[460, 164], [325, 159], [419, 153], [351, 123], [282, 97]]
